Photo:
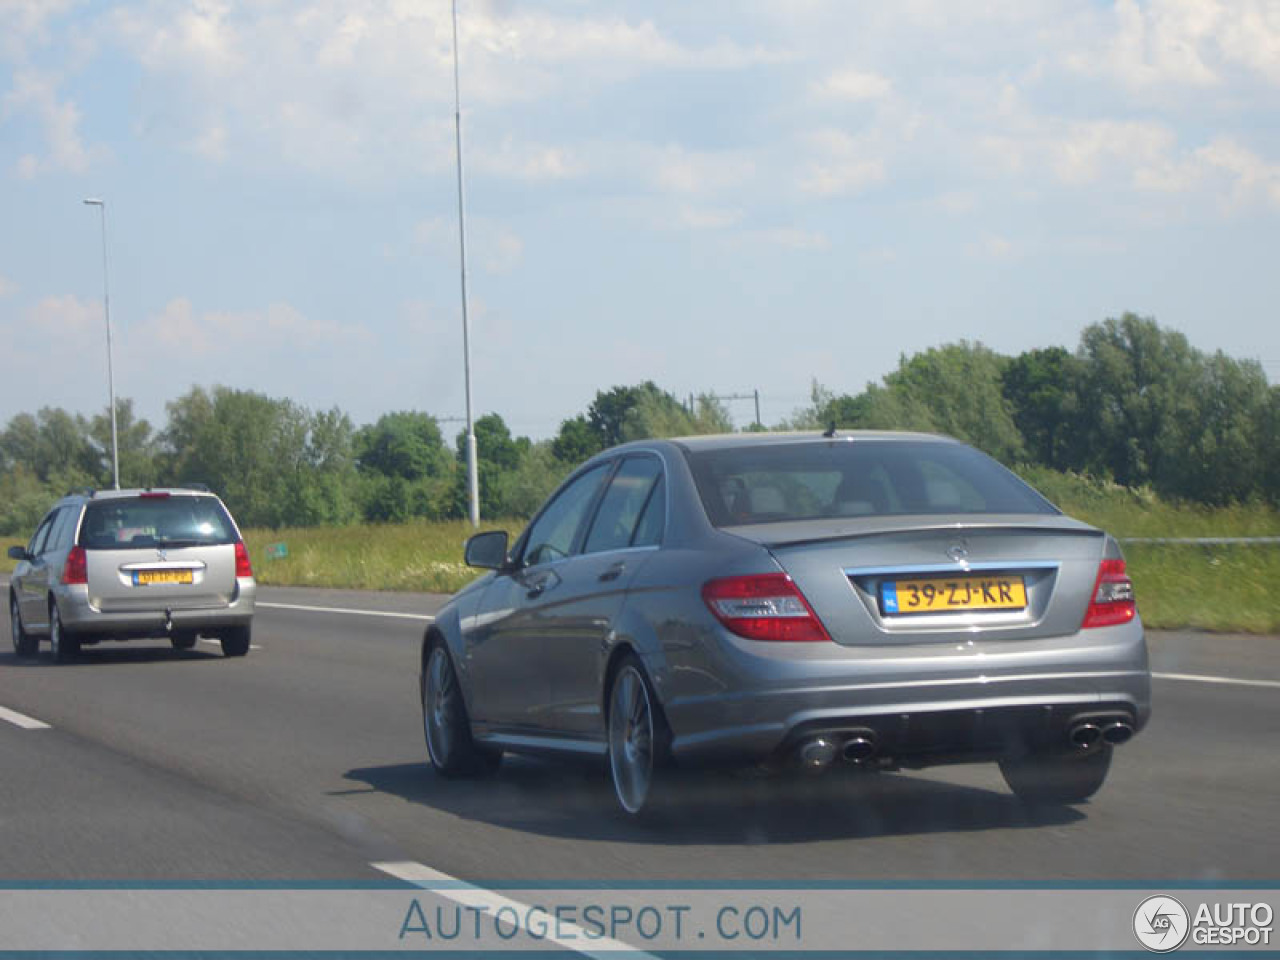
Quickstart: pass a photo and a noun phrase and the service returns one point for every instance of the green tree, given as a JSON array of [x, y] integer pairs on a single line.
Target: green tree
[[1138, 393], [405, 444], [406, 469], [576, 441], [53, 445], [1042, 388], [244, 445], [136, 443]]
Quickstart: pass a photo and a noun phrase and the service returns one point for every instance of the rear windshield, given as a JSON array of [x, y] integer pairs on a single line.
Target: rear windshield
[[862, 478], [155, 521]]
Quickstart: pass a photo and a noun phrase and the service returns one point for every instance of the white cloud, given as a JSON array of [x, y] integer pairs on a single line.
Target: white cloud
[[528, 161], [792, 238], [178, 333], [36, 94], [853, 85], [1181, 43], [66, 319], [678, 170], [707, 218], [990, 246], [844, 165], [24, 23], [957, 202], [365, 90], [491, 243]]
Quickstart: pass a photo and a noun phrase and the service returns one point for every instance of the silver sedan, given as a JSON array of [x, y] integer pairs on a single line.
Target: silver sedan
[[797, 602]]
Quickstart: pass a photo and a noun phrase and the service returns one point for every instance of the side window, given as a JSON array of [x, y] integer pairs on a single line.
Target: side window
[[620, 509], [653, 519], [60, 533], [36, 546], [552, 534]]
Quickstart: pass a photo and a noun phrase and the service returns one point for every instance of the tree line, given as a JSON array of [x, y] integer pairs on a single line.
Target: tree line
[[1134, 403]]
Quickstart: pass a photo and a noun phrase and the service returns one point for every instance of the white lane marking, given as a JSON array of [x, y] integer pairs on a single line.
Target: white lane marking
[[350, 610], [22, 720], [468, 895], [1199, 678], [210, 640]]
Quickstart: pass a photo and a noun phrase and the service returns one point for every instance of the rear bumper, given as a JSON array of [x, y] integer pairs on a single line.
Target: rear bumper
[[80, 616], [920, 702]]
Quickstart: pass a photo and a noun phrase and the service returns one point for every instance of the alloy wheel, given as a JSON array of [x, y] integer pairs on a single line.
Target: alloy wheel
[[439, 707], [631, 737]]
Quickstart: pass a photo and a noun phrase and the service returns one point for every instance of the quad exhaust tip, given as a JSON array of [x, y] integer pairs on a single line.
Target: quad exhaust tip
[[817, 754], [1086, 735], [1117, 732], [859, 749]]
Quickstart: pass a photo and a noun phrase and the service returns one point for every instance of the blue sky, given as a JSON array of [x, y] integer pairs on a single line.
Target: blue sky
[[718, 196]]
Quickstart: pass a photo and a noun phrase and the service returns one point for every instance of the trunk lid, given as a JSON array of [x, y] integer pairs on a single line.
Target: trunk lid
[[894, 580]]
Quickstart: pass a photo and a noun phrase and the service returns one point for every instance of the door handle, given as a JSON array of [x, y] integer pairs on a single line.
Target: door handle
[[613, 573], [536, 590]]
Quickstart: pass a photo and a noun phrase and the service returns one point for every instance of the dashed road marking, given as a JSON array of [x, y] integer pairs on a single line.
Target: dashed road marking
[[214, 642], [469, 895], [22, 720], [347, 610], [1200, 678]]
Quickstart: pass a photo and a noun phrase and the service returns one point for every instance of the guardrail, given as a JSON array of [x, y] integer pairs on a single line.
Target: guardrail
[[1203, 541]]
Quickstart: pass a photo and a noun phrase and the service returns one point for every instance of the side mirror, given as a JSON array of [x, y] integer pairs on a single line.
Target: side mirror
[[17, 553], [487, 550]]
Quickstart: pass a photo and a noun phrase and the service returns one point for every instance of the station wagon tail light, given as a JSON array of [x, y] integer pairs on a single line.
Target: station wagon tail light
[[1112, 602], [76, 569], [764, 607], [243, 567]]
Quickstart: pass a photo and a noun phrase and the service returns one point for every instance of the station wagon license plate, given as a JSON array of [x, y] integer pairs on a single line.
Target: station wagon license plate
[[147, 578], [948, 594]]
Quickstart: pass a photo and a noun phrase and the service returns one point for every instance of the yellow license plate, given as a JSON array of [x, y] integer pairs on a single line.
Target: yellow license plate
[[946, 594], [147, 578]]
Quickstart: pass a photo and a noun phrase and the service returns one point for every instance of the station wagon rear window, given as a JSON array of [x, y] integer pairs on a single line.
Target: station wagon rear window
[[155, 521], [804, 481]]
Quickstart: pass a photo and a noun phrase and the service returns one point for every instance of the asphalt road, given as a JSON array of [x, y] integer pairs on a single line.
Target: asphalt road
[[304, 761]]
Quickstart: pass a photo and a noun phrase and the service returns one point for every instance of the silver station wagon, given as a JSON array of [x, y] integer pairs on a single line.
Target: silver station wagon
[[794, 601], [119, 564]]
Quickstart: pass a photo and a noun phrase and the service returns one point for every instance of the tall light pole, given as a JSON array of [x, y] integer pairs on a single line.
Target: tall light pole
[[106, 309], [473, 478]]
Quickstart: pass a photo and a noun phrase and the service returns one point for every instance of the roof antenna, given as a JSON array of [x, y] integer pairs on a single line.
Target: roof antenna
[[830, 431]]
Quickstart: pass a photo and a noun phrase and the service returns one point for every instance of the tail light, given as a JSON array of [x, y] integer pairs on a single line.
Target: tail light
[[243, 567], [1112, 602], [76, 569], [764, 607]]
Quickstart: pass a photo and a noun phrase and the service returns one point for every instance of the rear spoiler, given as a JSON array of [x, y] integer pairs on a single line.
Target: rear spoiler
[[827, 529]]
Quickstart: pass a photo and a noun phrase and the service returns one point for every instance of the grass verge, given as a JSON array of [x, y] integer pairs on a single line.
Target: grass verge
[[1218, 588]]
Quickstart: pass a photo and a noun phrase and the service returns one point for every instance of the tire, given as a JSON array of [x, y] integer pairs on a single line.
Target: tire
[[1059, 778], [183, 641], [235, 641], [445, 725], [24, 644], [638, 738], [64, 646]]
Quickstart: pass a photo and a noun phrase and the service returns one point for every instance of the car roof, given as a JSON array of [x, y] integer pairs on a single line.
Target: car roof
[[134, 492], [737, 441]]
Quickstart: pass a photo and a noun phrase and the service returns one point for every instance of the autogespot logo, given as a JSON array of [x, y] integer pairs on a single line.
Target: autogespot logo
[[1161, 924]]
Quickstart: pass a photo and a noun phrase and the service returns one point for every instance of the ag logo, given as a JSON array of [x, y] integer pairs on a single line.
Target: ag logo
[[1161, 924]]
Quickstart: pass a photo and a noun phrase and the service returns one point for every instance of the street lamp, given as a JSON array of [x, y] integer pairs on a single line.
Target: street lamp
[[473, 479], [106, 309]]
